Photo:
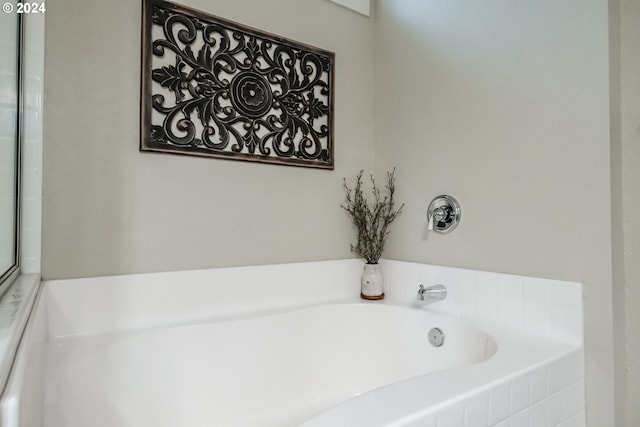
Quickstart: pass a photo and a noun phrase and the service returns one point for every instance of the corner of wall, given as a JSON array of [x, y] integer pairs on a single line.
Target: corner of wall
[[617, 211]]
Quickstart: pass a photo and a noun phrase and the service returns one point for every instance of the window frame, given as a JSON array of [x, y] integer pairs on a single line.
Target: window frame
[[8, 276]]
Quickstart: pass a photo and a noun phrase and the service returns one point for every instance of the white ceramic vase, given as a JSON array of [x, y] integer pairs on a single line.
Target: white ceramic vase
[[371, 282]]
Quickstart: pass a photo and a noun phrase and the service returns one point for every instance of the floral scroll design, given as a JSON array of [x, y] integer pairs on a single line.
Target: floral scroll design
[[215, 88]]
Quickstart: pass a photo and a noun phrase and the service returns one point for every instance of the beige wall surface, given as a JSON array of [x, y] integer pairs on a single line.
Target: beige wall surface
[[504, 105], [617, 217], [628, 283], [109, 209]]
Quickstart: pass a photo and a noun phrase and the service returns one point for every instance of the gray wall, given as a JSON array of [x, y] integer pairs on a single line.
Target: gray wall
[[505, 105], [109, 209], [626, 173], [630, 137]]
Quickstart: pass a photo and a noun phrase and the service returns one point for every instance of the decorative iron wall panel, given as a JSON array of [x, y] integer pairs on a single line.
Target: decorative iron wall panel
[[216, 88]]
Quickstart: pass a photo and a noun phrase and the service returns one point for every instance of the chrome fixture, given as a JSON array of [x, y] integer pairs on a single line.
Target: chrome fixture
[[436, 337], [443, 214], [432, 293]]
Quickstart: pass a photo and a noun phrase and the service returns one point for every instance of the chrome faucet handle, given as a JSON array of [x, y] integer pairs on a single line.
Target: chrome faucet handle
[[439, 214], [430, 225], [443, 214]]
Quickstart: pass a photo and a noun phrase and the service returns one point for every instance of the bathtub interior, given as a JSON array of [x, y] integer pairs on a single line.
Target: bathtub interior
[[285, 366], [79, 324]]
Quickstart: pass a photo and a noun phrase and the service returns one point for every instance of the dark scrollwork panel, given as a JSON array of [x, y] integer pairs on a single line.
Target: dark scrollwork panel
[[212, 87]]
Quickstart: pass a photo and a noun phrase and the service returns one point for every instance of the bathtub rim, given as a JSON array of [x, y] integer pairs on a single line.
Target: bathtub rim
[[20, 336]]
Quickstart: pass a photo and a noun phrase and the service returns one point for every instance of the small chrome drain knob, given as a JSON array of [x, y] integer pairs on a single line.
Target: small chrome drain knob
[[436, 337]]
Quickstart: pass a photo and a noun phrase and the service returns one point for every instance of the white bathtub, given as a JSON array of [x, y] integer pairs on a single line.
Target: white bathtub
[[155, 351], [272, 370]]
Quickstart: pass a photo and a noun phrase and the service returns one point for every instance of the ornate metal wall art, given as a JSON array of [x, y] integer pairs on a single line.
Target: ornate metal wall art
[[212, 87]]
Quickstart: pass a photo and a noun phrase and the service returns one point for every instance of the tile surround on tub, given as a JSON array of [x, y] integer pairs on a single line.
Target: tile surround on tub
[[32, 150], [549, 395], [542, 307], [524, 400]]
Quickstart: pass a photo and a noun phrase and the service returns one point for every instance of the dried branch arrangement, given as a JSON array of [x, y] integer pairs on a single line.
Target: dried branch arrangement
[[372, 219]]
